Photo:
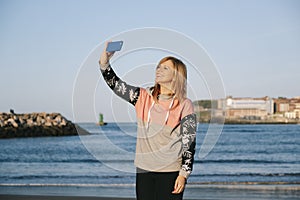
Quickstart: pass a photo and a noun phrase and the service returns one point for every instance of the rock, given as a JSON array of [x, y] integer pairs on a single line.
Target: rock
[[39, 120], [21, 121], [1, 123], [37, 124], [63, 122], [12, 121], [29, 122], [48, 123], [58, 119]]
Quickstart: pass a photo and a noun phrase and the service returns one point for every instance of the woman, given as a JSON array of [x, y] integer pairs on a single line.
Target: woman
[[166, 133]]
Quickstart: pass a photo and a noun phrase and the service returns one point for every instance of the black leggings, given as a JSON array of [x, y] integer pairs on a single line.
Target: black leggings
[[156, 185]]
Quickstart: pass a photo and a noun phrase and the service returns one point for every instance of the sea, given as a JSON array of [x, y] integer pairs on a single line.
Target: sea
[[240, 154]]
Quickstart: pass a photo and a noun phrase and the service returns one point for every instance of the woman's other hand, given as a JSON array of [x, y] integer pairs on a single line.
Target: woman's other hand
[[179, 185]]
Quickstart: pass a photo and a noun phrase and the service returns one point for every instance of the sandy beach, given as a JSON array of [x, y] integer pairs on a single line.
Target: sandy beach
[[192, 192], [37, 197]]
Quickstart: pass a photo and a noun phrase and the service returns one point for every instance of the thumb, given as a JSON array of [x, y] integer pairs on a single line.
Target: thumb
[[106, 43]]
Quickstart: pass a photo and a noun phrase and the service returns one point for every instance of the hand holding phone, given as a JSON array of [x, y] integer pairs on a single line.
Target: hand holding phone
[[114, 46], [109, 51]]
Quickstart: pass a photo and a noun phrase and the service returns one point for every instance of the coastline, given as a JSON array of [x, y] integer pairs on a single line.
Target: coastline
[[127, 192], [249, 121], [246, 121]]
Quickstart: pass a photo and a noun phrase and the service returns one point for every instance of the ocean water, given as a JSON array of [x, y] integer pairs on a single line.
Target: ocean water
[[243, 154]]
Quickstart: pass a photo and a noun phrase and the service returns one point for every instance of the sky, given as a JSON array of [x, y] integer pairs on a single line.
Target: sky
[[255, 45]]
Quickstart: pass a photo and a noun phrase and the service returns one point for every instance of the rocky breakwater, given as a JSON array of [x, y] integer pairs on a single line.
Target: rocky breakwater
[[37, 125]]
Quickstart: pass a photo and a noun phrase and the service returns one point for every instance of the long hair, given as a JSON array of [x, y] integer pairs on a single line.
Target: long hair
[[179, 80]]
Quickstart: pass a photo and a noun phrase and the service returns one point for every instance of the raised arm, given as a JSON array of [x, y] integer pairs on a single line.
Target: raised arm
[[127, 92]]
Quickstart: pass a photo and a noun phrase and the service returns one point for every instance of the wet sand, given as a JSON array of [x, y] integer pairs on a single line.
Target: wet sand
[[199, 192], [36, 197]]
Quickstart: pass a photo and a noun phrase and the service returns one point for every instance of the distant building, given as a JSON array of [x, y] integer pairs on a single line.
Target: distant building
[[252, 108], [290, 108], [248, 109], [297, 113], [281, 105], [290, 115]]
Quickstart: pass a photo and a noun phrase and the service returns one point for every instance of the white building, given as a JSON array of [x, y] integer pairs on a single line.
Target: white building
[[243, 107], [290, 115]]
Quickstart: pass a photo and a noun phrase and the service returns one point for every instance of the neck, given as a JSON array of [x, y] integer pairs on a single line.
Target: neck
[[165, 90]]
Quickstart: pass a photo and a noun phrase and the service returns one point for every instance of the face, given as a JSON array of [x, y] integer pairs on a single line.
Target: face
[[165, 73]]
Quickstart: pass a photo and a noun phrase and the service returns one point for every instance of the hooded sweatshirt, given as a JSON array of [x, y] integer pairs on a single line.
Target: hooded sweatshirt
[[166, 130]]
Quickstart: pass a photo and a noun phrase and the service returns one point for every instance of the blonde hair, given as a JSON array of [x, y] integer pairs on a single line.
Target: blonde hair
[[179, 80]]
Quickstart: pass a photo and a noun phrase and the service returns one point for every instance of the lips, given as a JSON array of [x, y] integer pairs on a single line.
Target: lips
[[158, 78]]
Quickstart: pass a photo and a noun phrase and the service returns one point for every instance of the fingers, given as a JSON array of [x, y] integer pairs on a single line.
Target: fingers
[[110, 54], [178, 189], [105, 56], [106, 44], [179, 185]]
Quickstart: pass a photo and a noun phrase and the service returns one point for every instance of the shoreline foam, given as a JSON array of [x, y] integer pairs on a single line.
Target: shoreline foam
[[110, 192]]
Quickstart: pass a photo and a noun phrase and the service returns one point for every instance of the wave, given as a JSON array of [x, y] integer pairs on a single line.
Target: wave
[[250, 174], [246, 161], [132, 176], [64, 177], [267, 186], [196, 161], [236, 130], [227, 185], [49, 160], [69, 184]]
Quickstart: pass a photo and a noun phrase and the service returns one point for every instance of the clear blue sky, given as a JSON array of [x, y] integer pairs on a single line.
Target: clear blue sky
[[255, 44]]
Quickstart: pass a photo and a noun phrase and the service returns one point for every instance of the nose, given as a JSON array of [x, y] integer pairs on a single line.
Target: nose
[[158, 70]]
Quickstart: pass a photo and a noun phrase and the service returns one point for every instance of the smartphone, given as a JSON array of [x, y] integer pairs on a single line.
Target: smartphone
[[114, 46]]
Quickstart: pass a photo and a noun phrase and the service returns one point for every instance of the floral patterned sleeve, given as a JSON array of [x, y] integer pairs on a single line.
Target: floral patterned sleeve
[[127, 92], [188, 130]]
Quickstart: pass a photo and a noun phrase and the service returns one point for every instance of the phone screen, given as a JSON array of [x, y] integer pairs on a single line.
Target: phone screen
[[114, 46]]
